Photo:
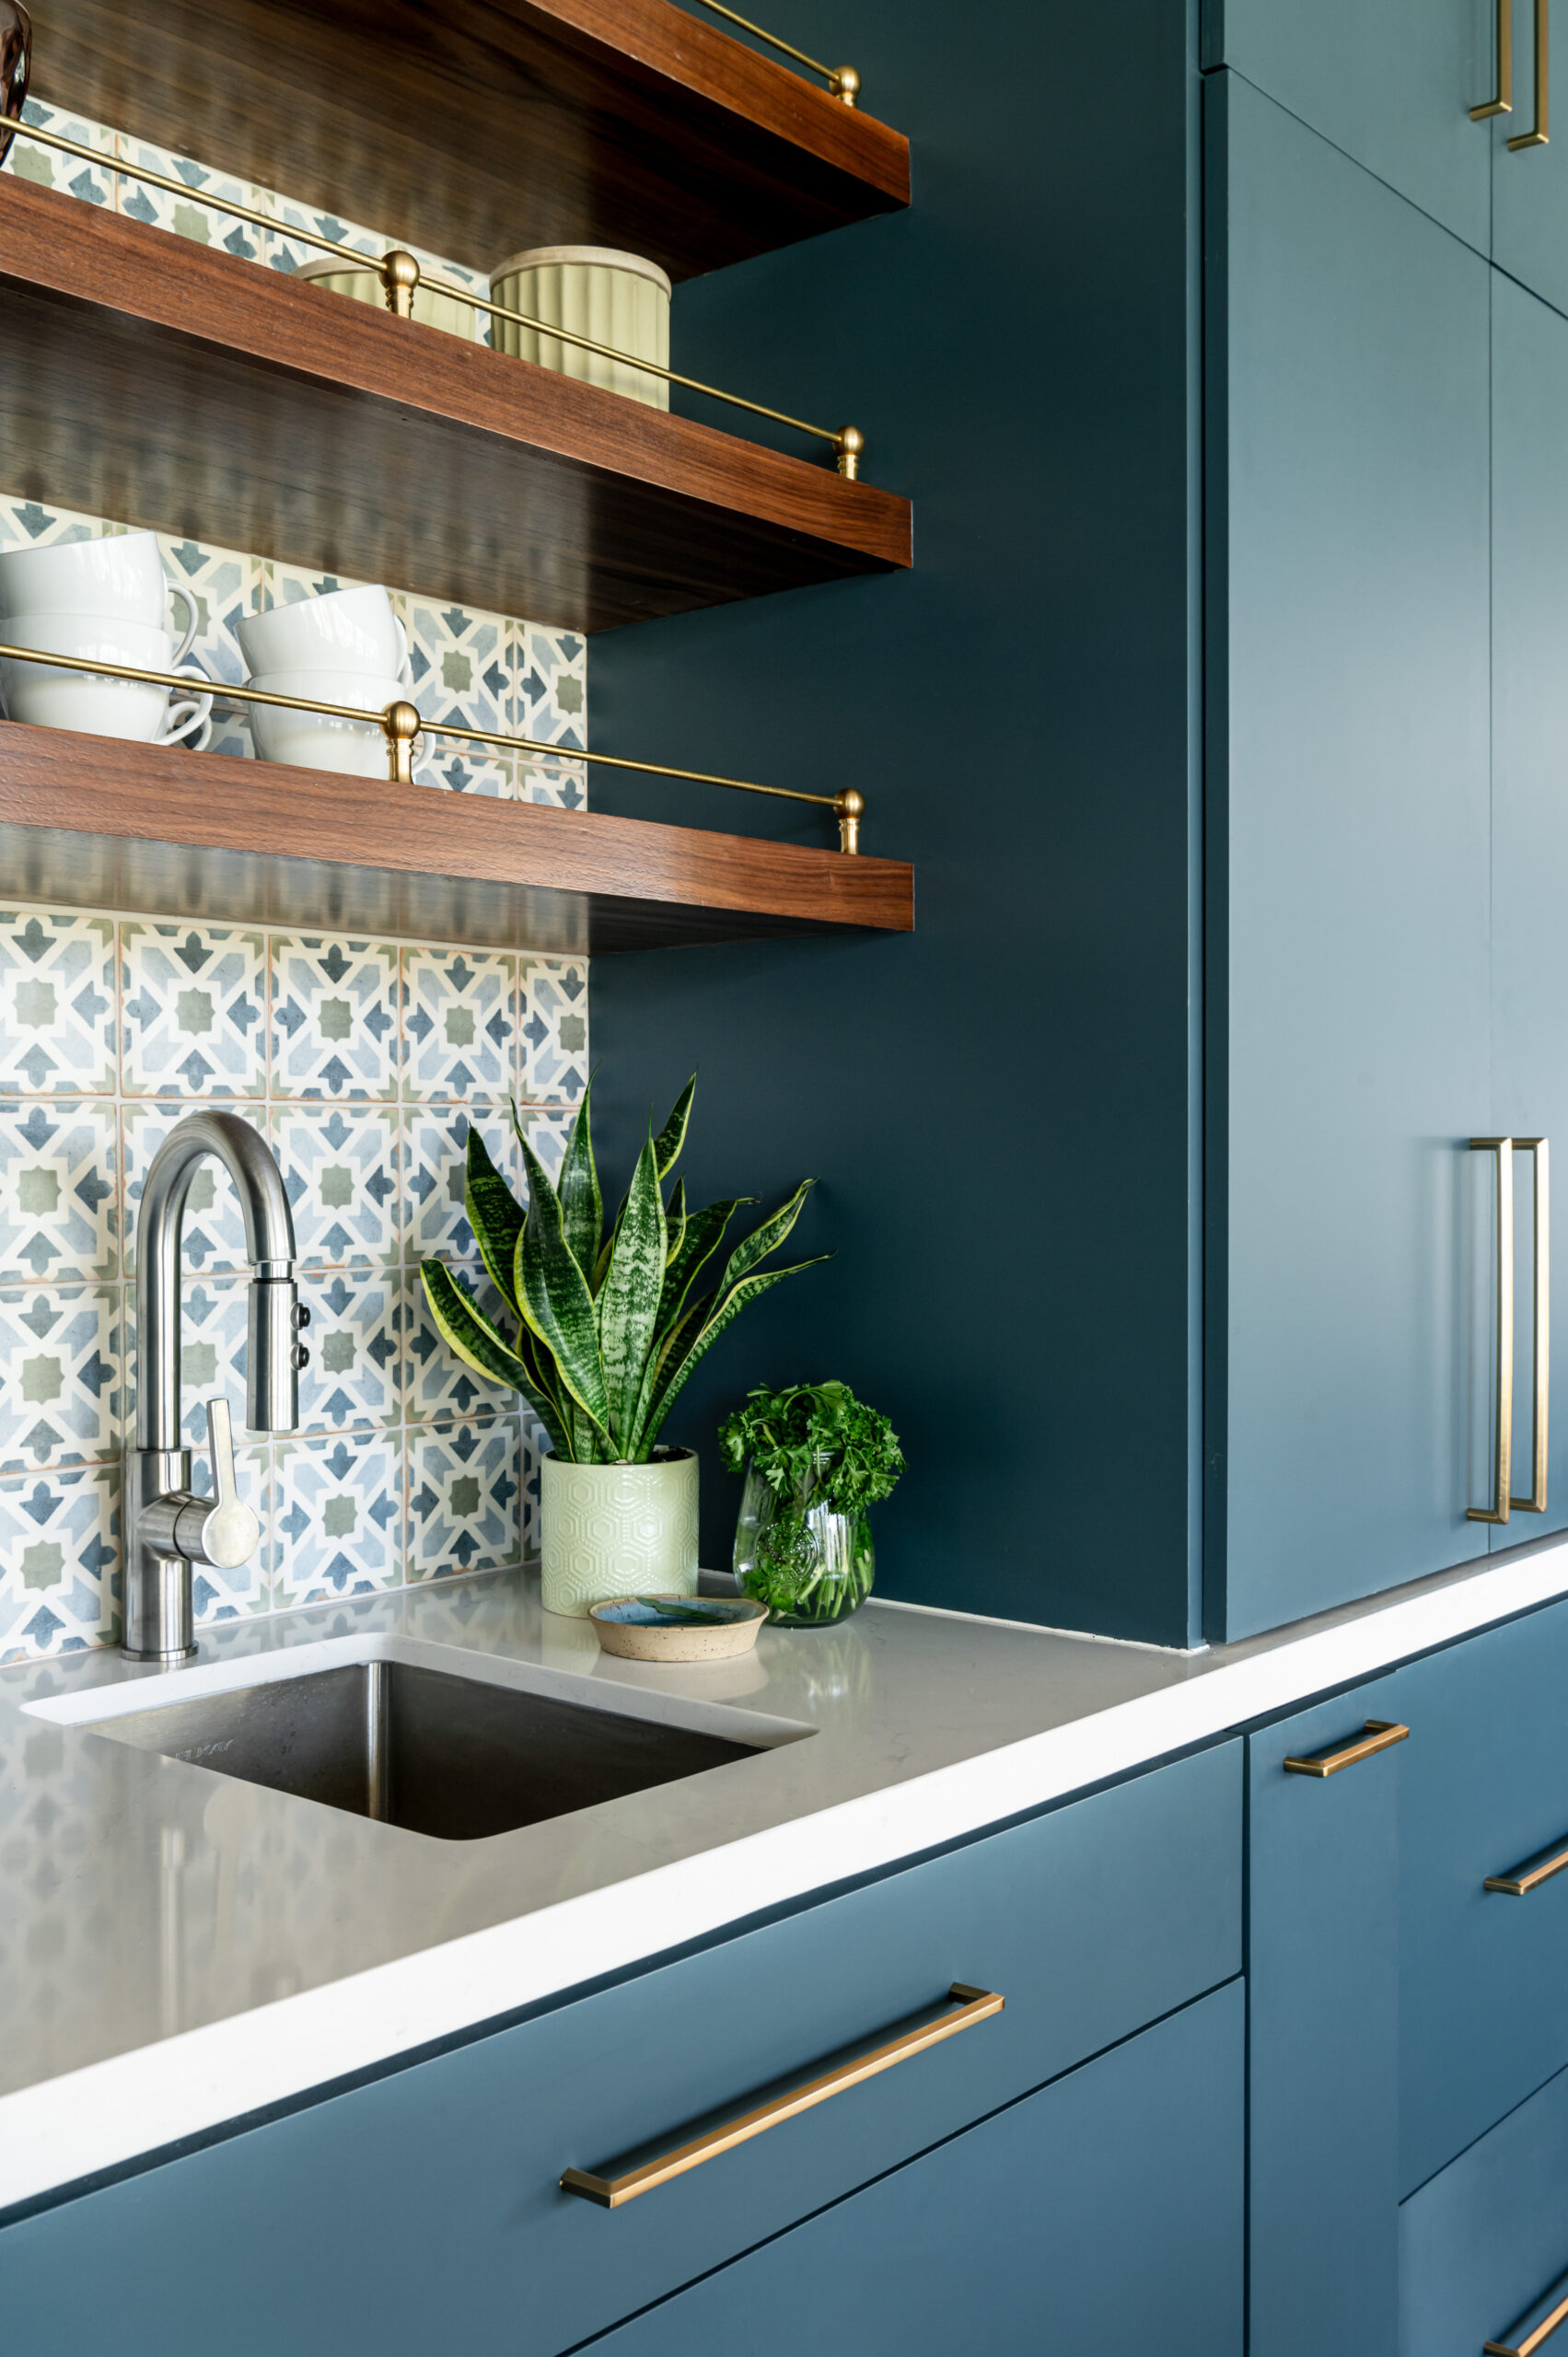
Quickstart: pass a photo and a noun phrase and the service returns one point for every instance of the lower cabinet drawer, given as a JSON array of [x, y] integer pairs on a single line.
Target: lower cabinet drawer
[[1483, 2249], [1103, 2213], [426, 2210], [1484, 1974]]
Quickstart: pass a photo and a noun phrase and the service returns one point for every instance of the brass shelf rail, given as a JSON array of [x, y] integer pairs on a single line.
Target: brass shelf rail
[[402, 723], [399, 274], [843, 81]]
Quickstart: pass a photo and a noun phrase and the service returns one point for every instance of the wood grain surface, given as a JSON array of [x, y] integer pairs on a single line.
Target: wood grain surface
[[487, 125], [91, 822], [146, 377]]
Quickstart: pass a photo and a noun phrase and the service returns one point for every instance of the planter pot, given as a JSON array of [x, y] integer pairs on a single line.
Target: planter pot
[[810, 1567], [614, 1531]]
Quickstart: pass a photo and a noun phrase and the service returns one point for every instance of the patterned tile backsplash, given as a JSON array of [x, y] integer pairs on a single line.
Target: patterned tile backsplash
[[364, 1062]]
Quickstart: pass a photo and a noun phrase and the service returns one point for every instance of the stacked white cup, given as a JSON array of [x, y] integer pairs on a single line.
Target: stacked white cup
[[104, 600], [346, 648]]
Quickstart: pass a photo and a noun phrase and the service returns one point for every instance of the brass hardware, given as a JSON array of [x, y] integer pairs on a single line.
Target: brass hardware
[[402, 723], [1503, 102], [1504, 1438], [843, 81], [393, 268], [611, 2192], [1537, 136], [1541, 1374], [1381, 1733], [848, 807], [1536, 2326], [1530, 1875], [15, 67], [400, 276]]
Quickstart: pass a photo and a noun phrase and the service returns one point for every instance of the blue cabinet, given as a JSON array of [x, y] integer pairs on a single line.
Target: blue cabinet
[[1483, 2249], [1348, 909], [1103, 2213], [1322, 2035], [1390, 82]]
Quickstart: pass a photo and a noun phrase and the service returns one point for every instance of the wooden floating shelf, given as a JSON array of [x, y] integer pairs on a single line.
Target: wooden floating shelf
[[146, 377], [486, 125], [90, 822]]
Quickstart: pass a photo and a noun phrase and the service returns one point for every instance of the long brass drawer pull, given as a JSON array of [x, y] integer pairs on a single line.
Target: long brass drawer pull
[[1502, 1414], [1531, 1874], [1537, 2324], [1380, 1734], [1503, 102], [610, 2192], [1537, 136], [1541, 1355]]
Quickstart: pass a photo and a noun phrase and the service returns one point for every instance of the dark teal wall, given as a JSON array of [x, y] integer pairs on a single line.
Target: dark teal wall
[[998, 1108]]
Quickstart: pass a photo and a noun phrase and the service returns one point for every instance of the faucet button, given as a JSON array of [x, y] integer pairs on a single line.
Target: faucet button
[[301, 1317], [299, 1357]]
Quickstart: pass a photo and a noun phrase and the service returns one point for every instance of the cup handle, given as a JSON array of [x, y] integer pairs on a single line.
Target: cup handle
[[192, 616], [186, 713], [405, 668]]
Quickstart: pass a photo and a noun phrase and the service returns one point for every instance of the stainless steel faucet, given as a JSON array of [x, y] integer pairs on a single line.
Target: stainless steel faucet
[[167, 1527]]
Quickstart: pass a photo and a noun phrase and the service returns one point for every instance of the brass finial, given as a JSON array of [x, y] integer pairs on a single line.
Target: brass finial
[[400, 276], [402, 723], [851, 807], [845, 83], [850, 444]]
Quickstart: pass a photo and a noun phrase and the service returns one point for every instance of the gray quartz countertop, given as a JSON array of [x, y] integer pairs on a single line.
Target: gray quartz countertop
[[179, 1948]]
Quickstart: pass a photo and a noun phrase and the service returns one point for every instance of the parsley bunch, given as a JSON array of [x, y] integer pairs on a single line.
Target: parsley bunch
[[814, 1442]]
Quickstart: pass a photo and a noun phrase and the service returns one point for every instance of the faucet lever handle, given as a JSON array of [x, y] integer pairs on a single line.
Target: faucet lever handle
[[229, 1532]]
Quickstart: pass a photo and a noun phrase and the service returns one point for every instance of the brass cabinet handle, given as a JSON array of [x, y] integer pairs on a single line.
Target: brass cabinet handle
[[1531, 1874], [974, 2005], [1537, 136], [1503, 1503], [1380, 1734], [1537, 2324], [1503, 102]]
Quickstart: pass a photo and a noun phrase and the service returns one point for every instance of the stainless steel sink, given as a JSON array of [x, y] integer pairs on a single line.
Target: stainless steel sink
[[455, 1758]]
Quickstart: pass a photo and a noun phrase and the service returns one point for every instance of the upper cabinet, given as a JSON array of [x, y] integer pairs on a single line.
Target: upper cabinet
[[1390, 82]]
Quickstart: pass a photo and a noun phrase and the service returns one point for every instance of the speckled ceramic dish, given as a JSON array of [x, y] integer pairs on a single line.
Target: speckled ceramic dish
[[677, 1628]]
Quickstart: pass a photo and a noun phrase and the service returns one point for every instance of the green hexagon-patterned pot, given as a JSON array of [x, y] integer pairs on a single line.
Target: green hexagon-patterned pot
[[618, 1530]]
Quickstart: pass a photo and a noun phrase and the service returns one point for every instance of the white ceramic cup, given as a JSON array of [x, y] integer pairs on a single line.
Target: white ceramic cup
[[348, 630], [118, 578], [87, 700], [311, 741]]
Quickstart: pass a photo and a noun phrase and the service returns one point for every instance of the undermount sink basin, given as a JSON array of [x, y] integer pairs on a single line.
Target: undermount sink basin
[[457, 1757]]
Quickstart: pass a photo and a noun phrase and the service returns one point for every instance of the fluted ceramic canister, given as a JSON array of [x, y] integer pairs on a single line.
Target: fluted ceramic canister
[[437, 300], [618, 1530], [619, 299]]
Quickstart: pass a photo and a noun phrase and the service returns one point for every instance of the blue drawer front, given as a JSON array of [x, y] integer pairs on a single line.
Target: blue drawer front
[[1103, 2214], [425, 2211], [1483, 1978], [1484, 2240]]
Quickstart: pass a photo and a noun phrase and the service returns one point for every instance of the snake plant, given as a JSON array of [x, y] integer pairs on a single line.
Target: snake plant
[[608, 1328]]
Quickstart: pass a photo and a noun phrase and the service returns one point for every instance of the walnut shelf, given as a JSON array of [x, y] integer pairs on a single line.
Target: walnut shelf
[[88, 822], [485, 125], [146, 378]]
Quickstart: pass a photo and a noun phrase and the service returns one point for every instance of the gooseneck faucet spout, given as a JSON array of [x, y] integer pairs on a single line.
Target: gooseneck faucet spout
[[168, 1528]]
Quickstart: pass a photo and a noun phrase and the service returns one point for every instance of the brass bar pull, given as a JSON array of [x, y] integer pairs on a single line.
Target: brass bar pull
[[1537, 136], [1503, 102], [1531, 1874], [1540, 1387], [1537, 2324], [611, 2192], [1380, 1734], [1504, 1412]]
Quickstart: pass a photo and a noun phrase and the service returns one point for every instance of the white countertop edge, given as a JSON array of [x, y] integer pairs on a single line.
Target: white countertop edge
[[68, 2127]]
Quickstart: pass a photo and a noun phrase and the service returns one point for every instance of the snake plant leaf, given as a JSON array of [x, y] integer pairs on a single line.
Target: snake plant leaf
[[681, 1363], [675, 1221], [553, 1298], [627, 1305], [582, 1207], [465, 1330], [704, 1234], [764, 1239], [672, 1137], [495, 1214]]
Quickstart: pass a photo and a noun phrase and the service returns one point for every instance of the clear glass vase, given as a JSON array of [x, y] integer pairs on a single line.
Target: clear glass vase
[[809, 1566]]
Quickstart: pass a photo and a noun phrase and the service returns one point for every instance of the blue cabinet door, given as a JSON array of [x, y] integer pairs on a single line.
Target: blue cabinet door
[[1389, 81], [1322, 1962], [1347, 903], [1103, 2213], [1529, 810]]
